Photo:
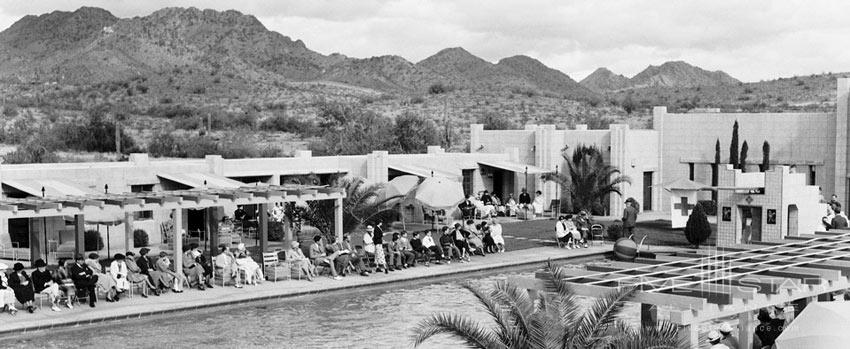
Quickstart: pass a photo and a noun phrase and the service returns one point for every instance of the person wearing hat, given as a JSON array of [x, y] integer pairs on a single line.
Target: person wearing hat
[[84, 279], [165, 266], [21, 283], [583, 224], [368, 244], [43, 283], [193, 270], [118, 271], [135, 276], [299, 260], [224, 266], [630, 216], [244, 262], [104, 282], [728, 339], [147, 267], [714, 338], [7, 296]]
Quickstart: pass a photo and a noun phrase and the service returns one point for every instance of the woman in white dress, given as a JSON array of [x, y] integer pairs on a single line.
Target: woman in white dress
[[537, 204], [245, 263], [496, 234], [118, 272], [7, 295]]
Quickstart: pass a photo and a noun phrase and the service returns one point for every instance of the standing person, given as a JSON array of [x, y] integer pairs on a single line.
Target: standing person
[[378, 242], [714, 339], [728, 339], [43, 283], [21, 283], [840, 220], [84, 279], [768, 328], [630, 216], [489, 244]]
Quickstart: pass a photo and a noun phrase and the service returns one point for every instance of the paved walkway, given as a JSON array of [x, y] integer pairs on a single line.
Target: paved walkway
[[193, 299]]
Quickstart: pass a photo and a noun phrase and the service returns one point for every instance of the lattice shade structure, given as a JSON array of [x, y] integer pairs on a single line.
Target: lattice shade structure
[[707, 284]]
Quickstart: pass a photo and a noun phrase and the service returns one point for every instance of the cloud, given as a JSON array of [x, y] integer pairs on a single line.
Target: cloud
[[751, 40]]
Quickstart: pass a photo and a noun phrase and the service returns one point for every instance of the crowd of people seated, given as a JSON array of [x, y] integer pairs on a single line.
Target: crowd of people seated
[[573, 231], [86, 278], [485, 205]]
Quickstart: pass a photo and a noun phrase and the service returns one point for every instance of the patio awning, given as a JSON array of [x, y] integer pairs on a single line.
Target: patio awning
[[424, 172], [515, 167], [51, 187], [201, 180]]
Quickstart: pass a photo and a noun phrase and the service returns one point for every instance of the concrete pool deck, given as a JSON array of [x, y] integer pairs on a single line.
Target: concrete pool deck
[[137, 307]]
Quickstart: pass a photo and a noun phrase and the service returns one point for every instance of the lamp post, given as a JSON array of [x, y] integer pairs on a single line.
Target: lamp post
[[557, 189], [525, 206], [44, 225]]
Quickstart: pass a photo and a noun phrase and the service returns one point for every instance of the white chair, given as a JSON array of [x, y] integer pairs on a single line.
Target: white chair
[[274, 268]]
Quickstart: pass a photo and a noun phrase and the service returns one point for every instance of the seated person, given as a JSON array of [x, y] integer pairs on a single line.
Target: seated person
[[511, 205], [574, 236], [497, 203], [104, 282], [224, 264], [340, 256], [460, 239], [84, 278], [394, 254], [496, 235], [135, 276], [583, 223], [21, 283], [7, 295], [118, 272], [428, 244], [474, 238], [171, 277], [489, 244], [408, 255], [147, 267], [295, 256], [194, 269], [561, 232], [467, 208], [246, 264], [320, 257], [448, 245], [356, 256], [418, 250], [484, 211], [43, 283]]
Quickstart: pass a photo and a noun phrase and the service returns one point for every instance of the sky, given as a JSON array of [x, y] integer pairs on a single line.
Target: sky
[[751, 40]]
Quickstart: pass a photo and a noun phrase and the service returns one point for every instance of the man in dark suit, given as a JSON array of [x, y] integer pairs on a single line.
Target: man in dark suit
[[524, 198], [84, 279], [467, 208]]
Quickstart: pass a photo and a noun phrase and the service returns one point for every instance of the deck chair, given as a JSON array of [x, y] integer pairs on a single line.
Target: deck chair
[[275, 269], [597, 230]]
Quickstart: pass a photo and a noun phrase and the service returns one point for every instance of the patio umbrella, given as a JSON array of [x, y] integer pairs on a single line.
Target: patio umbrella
[[439, 194], [821, 325], [400, 186], [105, 217]]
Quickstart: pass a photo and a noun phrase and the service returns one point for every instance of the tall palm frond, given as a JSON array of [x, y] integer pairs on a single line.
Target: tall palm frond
[[588, 180], [594, 324], [661, 335], [471, 332]]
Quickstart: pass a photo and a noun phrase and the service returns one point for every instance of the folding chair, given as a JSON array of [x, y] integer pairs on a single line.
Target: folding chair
[[597, 230]]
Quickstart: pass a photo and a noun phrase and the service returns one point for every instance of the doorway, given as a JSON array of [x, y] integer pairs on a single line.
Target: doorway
[[792, 220], [751, 217], [647, 191]]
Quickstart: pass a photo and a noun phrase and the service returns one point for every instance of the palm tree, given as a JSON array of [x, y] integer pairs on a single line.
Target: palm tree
[[552, 320], [589, 179], [362, 204]]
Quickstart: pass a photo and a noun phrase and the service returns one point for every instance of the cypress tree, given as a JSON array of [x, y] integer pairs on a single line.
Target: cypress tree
[[733, 147], [716, 168], [765, 158], [744, 149]]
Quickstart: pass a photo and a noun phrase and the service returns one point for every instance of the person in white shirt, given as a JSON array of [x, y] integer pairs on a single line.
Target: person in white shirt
[[118, 271], [561, 232], [496, 234], [429, 244], [537, 204]]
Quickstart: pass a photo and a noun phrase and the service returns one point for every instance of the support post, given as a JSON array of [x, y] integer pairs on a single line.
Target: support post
[[338, 219], [648, 314], [689, 335], [128, 231], [177, 216], [79, 234], [263, 229], [745, 329], [212, 214], [36, 236]]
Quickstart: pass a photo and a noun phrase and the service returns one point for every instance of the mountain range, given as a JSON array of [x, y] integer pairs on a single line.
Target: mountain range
[[90, 45]]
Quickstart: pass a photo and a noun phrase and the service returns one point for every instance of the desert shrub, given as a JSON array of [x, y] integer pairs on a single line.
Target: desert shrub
[[228, 121], [284, 123], [10, 110], [140, 238], [187, 122], [33, 151], [92, 241], [709, 206], [171, 111], [199, 90], [415, 133], [166, 100], [96, 133], [437, 88], [495, 121], [417, 100], [142, 89], [614, 231], [697, 230]]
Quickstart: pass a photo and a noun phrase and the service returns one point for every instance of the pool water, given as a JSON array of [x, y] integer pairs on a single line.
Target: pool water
[[378, 318]]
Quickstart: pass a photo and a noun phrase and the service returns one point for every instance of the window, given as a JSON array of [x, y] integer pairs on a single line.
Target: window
[[467, 182], [142, 188], [691, 170], [812, 175]]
